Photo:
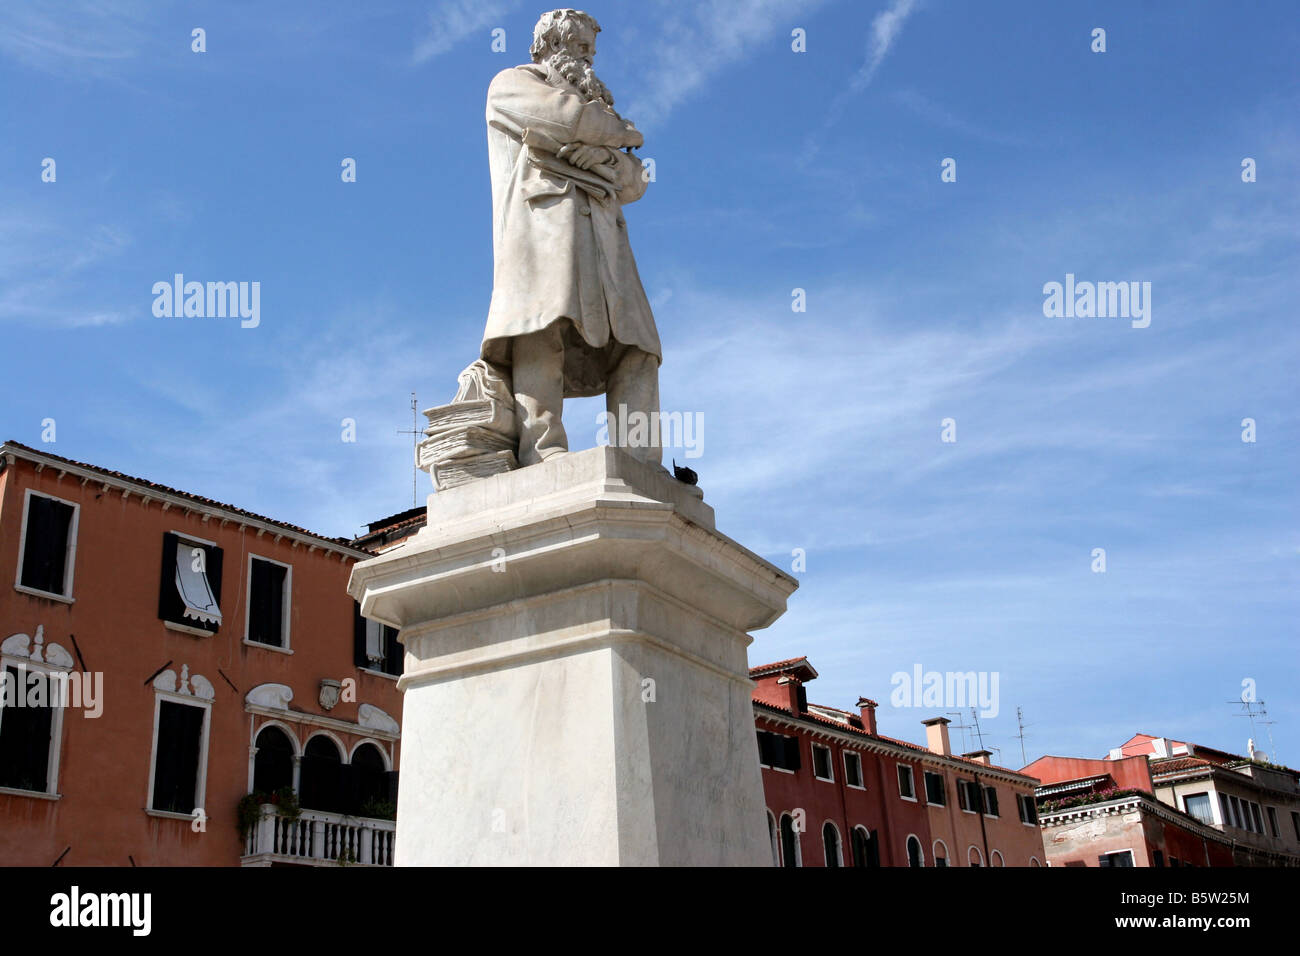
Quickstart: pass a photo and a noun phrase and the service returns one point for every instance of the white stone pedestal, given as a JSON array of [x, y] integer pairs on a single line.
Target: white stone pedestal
[[576, 682]]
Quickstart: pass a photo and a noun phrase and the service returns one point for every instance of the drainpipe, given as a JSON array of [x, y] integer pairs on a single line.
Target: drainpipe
[[979, 808]]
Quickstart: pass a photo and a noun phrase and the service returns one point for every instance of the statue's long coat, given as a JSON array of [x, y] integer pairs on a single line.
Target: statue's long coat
[[560, 247]]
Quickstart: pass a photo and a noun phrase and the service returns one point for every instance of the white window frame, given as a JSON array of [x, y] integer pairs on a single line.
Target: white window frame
[[907, 842], [286, 611], [51, 790], [1131, 855], [830, 763], [934, 852], [774, 837], [1021, 799], [1001, 860], [183, 538], [978, 853], [911, 777], [862, 781], [798, 839], [201, 782], [69, 555]]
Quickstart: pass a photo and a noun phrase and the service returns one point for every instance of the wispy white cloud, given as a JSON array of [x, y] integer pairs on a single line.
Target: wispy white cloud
[[696, 41], [885, 29], [455, 20], [91, 37]]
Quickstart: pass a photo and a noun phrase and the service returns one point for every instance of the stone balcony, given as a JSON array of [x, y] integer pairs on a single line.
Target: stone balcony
[[317, 838]]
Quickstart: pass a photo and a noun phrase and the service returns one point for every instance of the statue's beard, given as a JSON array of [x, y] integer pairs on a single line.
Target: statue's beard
[[582, 77]]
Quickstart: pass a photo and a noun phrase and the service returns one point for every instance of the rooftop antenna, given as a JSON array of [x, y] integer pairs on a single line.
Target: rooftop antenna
[[415, 434], [963, 728], [1020, 724], [1253, 709], [979, 734]]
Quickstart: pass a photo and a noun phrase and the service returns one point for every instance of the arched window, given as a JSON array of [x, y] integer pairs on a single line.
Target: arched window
[[831, 844], [1033, 861], [273, 764], [772, 838], [940, 853], [915, 855], [975, 856], [791, 854], [322, 776], [370, 780], [866, 847], [995, 859]]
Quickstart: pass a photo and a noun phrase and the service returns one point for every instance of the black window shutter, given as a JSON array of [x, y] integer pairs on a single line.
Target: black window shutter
[[358, 637], [392, 786], [169, 601], [266, 603], [791, 753], [45, 549], [393, 655], [214, 576]]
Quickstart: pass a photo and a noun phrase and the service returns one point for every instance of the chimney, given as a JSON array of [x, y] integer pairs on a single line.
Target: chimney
[[868, 714], [980, 756], [795, 698], [936, 736]]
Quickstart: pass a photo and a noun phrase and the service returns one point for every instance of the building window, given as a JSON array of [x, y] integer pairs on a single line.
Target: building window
[[991, 801], [866, 847], [1295, 823], [778, 751], [790, 851], [30, 728], [853, 770], [1033, 861], [772, 837], [831, 845], [273, 762], [906, 784], [915, 855], [179, 756], [1198, 805], [375, 646], [1272, 821], [822, 763], [1157, 859], [189, 593], [48, 545], [966, 795], [1174, 861], [323, 786], [940, 850], [1028, 809], [996, 860], [974, 857], [373, 788], [1120, 858], [935, 791], [1257, 817], [1236, 813], [268, 602]]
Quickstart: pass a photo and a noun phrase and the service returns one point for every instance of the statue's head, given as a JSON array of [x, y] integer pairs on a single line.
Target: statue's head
[[565, 40]]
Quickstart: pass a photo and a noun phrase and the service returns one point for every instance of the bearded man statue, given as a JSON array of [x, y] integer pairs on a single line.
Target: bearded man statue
[[568, 315]]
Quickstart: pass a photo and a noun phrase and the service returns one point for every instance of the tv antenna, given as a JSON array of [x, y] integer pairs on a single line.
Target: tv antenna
[[1253, 710], [415, 433]]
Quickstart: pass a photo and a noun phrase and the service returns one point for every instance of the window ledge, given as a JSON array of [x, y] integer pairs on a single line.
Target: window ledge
[[186, 629], [48, 595], [37, 794], [170, 815], [908, 799], [268, 647], [854, 786], [371, 670]]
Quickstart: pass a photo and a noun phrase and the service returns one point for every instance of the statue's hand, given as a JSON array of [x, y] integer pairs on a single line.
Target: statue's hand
[[584, 156]]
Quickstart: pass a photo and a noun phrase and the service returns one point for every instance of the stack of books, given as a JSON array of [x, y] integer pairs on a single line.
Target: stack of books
[[474, 436]]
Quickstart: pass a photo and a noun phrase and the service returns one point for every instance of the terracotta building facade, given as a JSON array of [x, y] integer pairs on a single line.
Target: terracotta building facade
[[839, 793], [184, 682]]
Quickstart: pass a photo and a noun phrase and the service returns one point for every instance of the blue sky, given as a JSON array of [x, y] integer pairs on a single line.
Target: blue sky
[[775, 170]]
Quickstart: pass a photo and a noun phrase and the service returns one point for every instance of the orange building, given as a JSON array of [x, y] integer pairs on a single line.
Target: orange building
[[166, 657]]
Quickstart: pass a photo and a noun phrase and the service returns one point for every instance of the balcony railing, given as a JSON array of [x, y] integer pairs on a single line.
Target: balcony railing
[[317, 838]]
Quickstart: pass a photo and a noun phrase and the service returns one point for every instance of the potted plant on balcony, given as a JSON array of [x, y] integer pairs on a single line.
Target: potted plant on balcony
[[249, 812]]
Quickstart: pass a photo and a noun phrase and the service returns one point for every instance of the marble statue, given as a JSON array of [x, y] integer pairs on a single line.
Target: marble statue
[[568, 315]]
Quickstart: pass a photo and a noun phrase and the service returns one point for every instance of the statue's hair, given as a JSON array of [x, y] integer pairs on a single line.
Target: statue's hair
[[557, 27]]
